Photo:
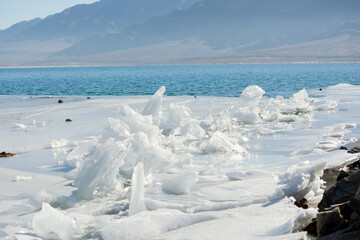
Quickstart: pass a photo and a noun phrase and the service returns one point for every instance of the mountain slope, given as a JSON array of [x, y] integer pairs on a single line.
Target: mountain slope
[[219, 24], [17, 28], [103, 17]]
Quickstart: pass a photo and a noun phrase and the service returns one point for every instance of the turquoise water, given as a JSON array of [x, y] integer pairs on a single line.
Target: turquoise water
[[207, 80]]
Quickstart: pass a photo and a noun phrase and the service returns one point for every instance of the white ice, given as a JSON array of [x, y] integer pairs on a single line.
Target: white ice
[[171, 167], [53, 224], [137, 202]]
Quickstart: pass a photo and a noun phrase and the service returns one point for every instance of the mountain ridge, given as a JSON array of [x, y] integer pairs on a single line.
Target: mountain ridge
[[195, 32]]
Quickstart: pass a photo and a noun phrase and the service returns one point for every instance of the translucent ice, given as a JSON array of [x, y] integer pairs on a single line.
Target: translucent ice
[[154, 156], [175, 116], [22, 126], [153, 106], [304, 181], [219, 142], [53, 224], [181, 184], [98, 174], [137, 202], [151, 223], [57, 143], [139, 123], [251, 96], [247, 110]]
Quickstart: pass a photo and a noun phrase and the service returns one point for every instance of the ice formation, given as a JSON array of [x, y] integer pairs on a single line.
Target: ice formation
[[150, 224], [153, 106], [304, 181], [153, 167], [181, 184], [53, 224], [137, 202]]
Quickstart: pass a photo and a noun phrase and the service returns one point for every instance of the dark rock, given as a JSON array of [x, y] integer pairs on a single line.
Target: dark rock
[[311, 228], [329, 222], [88, 97], [354, 235], [343, 148], [352, 232], [60, 101], [341, 192], [355, 150], [195, 97], [354, 165], [342, 175], [345, 209], [5, 154], [355, 205], [303, 203], [68, 120], [320, 89]]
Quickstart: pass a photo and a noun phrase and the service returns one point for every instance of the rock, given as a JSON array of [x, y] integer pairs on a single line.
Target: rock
[[311, 228], [329, 222], [339, 210], [355, 150], [355, 205], [303, 203], [352, 232], [88, 97], [341, 192], [354, 166], [68, 120], [354, 235], [343, 148], [357, 194], [342, 175], [345, 209], [60, 101], [5, 154]]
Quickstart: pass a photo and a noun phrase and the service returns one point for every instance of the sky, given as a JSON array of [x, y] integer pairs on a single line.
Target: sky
[[13, 11]]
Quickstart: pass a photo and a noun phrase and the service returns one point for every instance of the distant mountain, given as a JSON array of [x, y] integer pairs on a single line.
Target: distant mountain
[[350, 28], [245, 24], [17, 28], [102, 17], [123, 32]]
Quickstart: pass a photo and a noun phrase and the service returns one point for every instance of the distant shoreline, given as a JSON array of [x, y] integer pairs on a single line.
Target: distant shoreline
[[174, 64]]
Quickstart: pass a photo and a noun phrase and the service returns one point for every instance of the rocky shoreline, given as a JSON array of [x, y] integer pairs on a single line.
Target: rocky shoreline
[[339, 209]]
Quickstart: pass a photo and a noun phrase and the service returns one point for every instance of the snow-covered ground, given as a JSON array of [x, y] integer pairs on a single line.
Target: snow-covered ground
[[170, 167]]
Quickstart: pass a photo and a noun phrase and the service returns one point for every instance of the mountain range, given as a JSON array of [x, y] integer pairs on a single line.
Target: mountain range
[[123, 32]]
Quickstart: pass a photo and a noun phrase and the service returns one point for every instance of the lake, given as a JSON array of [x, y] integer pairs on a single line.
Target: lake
[[202, 80]]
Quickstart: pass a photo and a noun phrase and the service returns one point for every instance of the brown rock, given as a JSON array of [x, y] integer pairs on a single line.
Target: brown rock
[[355, 150], [329, 222], [354, 166], [311, 228], [341, 192], [5, 154], [303, 203], [343, 148], [68, 120], [60, 101]]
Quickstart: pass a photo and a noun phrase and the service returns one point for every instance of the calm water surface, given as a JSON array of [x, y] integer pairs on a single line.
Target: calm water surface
[[208, 80]]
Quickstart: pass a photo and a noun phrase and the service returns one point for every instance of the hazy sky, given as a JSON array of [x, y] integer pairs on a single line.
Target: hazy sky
[[13, 11]]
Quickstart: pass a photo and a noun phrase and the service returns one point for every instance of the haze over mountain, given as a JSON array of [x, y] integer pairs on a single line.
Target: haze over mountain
[[190, 30], [103, 17]]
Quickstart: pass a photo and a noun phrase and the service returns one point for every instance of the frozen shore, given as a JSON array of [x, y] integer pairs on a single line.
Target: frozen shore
[[170, 167]]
